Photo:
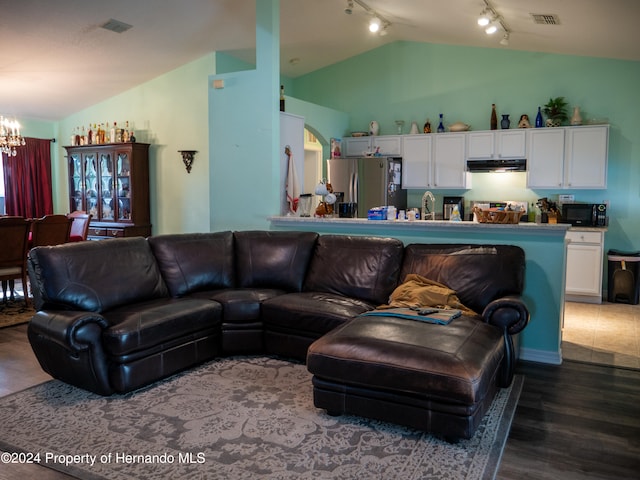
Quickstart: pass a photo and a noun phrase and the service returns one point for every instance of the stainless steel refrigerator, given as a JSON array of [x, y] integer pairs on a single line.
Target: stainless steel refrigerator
[[369, 181]]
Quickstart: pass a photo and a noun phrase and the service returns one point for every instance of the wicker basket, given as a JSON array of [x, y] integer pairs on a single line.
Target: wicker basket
[[497, 216]]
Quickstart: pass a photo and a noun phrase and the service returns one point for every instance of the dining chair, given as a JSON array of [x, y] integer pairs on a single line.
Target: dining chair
[[79, 225], [14, 234], [50, 230]]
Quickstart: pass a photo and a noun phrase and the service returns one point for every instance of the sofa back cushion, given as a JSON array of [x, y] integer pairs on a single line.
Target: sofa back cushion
[[366, 268], [477, 273], [273, 259], [94, 276], [191, 262]]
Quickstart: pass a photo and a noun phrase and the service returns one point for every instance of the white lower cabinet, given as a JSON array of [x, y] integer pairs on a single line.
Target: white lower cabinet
[[585, 252]]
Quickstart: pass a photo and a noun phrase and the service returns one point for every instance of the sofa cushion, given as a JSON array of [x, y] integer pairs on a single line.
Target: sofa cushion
[[273, 259], [365, 268], [94, 276], [195, 261], [138, 327], [477, 273], [315, 313]]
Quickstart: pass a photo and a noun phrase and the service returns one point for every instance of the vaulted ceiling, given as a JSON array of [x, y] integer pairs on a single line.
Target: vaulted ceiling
[[57, 59]]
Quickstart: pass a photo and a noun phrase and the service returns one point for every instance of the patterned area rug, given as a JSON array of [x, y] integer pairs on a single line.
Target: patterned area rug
[[13, 312], [236, 418]]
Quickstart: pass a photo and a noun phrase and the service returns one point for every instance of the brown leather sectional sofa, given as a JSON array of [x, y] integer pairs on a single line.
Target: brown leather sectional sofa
[[115, 315]]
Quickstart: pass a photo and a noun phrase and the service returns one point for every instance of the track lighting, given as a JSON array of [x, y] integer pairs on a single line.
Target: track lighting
[[378, 23], [492, 21]]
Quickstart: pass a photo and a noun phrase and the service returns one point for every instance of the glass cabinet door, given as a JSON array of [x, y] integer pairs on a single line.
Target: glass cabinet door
[[106, 187], [124, 186], [76, 187], [91, 183]]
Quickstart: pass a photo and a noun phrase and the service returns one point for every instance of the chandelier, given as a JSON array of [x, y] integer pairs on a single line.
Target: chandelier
[[10, 136]]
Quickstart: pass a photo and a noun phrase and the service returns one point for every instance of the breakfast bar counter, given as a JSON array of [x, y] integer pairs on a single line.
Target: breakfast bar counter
[[545, 246], [419, 226]]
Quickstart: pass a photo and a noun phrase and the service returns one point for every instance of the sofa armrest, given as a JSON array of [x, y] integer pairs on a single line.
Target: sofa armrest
[[68, 346], [510, 315]]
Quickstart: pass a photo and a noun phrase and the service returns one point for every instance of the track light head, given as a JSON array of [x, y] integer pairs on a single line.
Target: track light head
[[374, 25], [484, 19], [349, 8], [491, 28], [505, 40]]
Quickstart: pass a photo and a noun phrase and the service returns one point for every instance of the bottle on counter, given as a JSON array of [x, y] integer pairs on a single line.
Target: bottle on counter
[[427, 126], [441, 124]]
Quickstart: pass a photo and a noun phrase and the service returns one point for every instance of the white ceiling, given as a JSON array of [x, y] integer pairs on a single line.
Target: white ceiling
[[56, 59]]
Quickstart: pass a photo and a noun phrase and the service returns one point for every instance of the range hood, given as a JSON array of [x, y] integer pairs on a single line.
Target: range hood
[[497, 165]]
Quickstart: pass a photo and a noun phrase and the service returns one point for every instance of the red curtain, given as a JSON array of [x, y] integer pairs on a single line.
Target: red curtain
[[27, 180]]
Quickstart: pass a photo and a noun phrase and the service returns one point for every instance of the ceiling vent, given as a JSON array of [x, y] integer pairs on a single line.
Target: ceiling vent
[[116, 26], [545, 19]]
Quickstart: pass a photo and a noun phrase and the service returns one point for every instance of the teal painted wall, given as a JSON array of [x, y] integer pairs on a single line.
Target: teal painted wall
[[415, 81], [171, 113], [244, 129]]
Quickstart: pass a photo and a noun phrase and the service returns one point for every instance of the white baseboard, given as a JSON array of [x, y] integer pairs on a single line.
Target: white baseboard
[[540, 356]]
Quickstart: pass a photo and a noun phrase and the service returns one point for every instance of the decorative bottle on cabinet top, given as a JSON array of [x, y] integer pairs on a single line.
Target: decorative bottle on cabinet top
[[494, 117], [539, 122], [441, 125]]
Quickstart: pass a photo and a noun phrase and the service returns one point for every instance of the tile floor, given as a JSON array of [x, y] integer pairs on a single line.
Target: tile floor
[[606, 334]]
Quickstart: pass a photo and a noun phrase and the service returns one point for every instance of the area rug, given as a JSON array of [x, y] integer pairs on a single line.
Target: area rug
[[235, 418], [14, 312]]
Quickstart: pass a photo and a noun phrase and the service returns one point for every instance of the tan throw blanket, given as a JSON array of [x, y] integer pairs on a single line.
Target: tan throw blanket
[[418, 291]]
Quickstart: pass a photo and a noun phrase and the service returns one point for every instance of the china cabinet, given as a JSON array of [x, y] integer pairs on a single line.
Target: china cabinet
[[111, 182]]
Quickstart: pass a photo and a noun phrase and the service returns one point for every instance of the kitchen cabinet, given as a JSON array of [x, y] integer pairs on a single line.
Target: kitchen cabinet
[[585, 252], [545, 158], [388, 145], [586, 151], [496, 144], [449, 161], [417, 161], [111, 182], [568, 158]]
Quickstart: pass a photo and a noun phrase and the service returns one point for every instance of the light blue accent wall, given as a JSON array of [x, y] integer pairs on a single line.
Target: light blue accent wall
[[244, 131], [414, 81]]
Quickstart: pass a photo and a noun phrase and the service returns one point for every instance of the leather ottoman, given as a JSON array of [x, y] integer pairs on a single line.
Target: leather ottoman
[[437, 378]]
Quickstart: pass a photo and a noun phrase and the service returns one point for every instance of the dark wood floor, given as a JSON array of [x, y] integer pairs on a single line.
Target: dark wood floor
[[574, 421]]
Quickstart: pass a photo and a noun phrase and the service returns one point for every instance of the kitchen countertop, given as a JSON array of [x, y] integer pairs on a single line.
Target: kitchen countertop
[[425, 225]]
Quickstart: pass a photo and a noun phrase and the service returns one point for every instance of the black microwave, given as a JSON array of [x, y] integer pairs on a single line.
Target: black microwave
[[585, 214]]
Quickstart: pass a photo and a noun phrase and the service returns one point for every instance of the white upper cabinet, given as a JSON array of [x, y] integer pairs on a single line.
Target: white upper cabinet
[[586, 151], [449, 161], [545, 158], [416, 161], [496, 144], [568, 158], [387, 145]]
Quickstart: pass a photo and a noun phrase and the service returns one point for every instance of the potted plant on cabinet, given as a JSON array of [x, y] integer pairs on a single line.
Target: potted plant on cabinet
[[556, 111]]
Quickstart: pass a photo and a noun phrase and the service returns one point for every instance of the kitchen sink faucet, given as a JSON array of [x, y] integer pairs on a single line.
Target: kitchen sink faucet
[[426, 211]]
